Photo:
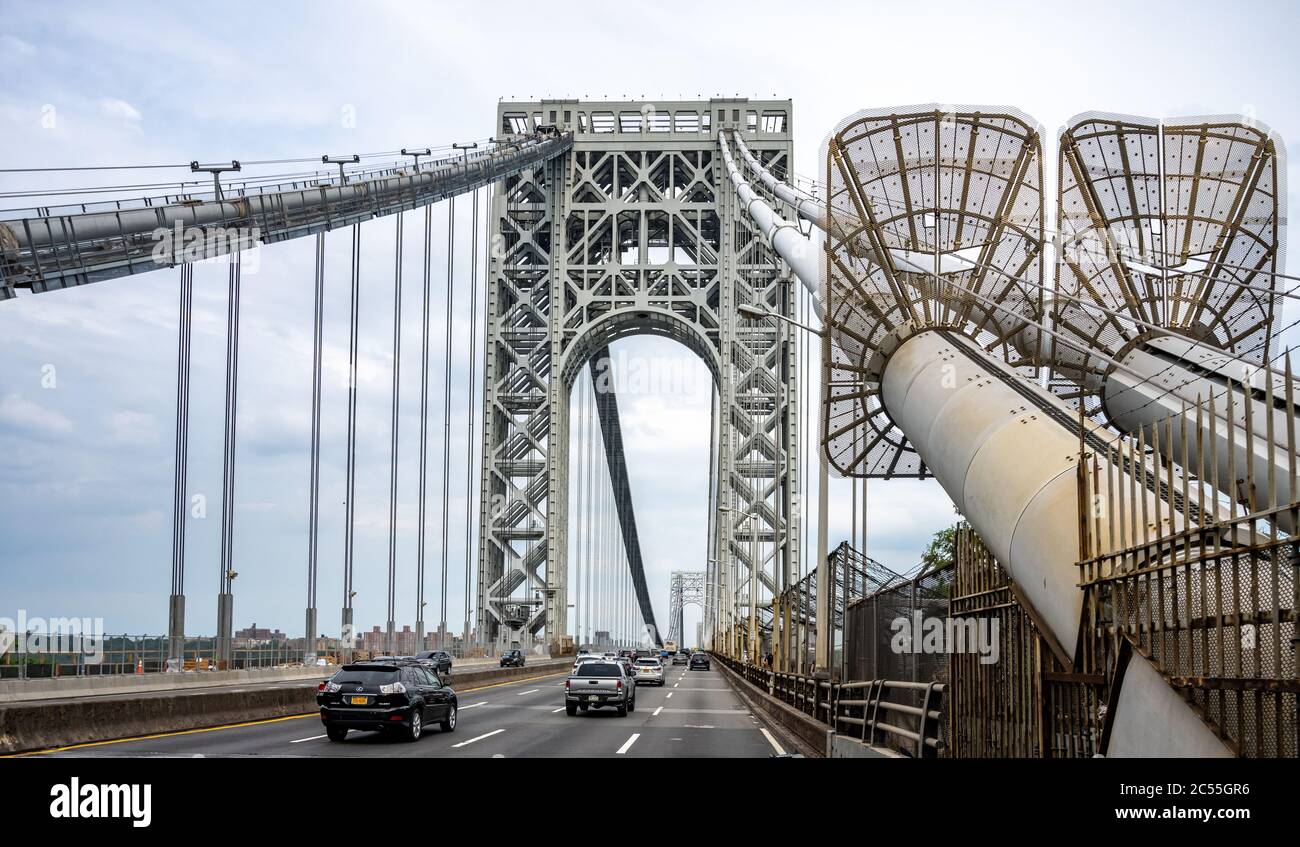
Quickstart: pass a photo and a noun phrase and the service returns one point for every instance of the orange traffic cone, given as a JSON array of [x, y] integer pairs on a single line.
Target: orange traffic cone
[[139, 665]]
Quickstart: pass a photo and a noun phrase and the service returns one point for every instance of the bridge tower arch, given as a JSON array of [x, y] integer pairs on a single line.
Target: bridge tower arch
[[636, 230]]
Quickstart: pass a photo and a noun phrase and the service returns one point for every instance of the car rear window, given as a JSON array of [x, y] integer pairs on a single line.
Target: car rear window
[[599, 669], [647, 663], [365, 676]]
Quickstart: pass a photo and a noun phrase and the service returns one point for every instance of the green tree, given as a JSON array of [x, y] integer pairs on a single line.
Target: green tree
[[941, 551]]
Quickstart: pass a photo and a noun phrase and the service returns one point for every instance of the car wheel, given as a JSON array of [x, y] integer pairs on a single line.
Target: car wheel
[[417, 726], [622, 711], [449, 725], [336, 733], [631, 707], [570, 709]]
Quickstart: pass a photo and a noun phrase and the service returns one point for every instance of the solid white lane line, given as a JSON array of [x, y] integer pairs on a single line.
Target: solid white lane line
[[654, 715], [472, 705], [628, 743], [557, 711], [479, 738], [301, 740], [772, 741], [670, 696], [530, 691]]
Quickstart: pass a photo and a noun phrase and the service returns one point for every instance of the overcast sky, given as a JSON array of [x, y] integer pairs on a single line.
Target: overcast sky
[[86, 462]]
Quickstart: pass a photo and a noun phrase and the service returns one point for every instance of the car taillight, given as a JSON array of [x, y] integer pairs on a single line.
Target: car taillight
[[332, 687], [392, 688], [566, 683], [320, 687], [618, 684]]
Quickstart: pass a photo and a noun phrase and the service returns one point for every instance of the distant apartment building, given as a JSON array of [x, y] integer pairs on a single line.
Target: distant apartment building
[[259, 635]]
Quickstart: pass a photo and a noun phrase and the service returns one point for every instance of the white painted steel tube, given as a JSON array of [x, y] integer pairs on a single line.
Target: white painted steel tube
[[1176, 374], [804, 204], [786, 239], [1010, 468]]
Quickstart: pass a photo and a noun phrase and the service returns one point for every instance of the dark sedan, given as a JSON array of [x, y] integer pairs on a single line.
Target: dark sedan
[[699, 662], [390, 697], [439, 660], [512, 659]]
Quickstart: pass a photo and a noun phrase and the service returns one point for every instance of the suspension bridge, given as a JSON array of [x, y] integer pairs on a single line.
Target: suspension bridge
[[1106, 403]]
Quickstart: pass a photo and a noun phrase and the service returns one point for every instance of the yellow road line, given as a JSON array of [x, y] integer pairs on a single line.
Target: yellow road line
[[234, 725], [159, 735]]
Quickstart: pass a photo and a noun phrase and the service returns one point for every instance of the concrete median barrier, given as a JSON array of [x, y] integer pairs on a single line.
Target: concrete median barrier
[[33, 725]]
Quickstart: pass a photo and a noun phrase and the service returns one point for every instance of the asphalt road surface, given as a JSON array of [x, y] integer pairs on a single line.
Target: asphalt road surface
[[695, 714]]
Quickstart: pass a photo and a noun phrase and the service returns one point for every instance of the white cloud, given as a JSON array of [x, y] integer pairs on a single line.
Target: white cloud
[[120, 110], [131, 427], [25, 414], [15, 48]]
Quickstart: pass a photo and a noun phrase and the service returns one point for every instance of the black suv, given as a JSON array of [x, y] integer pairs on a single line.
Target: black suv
[[699, 661], [386, 696], [512, 659], [439, 660]]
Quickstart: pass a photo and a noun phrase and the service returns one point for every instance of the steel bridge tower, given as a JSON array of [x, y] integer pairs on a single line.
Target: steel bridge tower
[[685, 588], [635, 230]]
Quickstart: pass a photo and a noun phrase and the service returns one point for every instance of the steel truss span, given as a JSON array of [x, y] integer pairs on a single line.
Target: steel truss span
[[635, 230]]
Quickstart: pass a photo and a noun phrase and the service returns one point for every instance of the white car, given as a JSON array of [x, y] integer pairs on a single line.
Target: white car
[[582, 660], [648, 670]]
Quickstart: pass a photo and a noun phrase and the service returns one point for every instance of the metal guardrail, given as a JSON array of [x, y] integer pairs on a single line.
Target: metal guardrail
[[870, 710]]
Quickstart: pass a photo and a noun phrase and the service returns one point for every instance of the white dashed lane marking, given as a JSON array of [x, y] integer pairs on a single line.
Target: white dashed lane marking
[[479, 738]]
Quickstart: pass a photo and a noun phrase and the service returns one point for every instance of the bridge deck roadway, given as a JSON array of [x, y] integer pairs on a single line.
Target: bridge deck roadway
[[695, 714]]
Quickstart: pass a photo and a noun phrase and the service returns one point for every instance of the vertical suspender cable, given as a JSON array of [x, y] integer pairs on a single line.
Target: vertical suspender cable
[[580, 512], [424, 416], [588, 507], [313, 503], [469, 408], [393, 438], [350, 512], [446, 407], [176, 609], [225, 612]]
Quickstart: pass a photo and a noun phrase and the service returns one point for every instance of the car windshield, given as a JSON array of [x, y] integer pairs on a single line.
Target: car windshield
[[600, 669]]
